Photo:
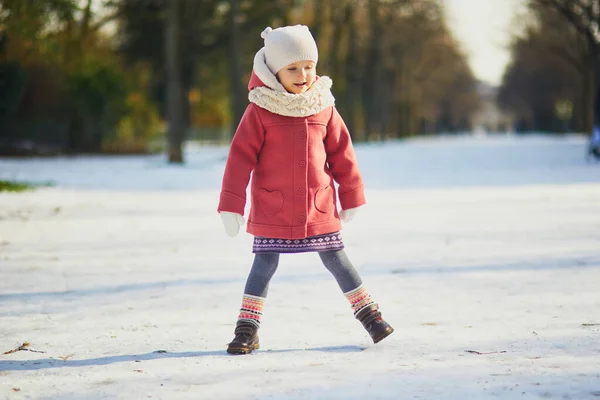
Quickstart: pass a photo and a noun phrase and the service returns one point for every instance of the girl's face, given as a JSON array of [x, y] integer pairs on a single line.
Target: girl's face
[[298, 77]]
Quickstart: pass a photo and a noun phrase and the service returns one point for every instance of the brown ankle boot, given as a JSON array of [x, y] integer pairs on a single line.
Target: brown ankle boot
[[371, 319], [246, 339]]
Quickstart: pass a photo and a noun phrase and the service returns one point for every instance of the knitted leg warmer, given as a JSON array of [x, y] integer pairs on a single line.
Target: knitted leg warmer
[[251, 310], [359, 298]]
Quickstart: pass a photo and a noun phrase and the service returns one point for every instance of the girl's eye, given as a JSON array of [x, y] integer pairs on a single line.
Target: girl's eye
[[291, 69]]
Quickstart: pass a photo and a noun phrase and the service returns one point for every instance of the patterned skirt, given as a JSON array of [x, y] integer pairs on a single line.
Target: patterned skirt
[[326, 242]]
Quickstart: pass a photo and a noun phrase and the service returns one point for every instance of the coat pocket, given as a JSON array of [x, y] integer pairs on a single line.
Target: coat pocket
[[324, 199], [270, 202]]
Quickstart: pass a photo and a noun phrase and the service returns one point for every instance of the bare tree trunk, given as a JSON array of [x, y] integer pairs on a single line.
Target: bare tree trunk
[[588, 100], [85, 21], [187, 82], [173, 75], [338, 20], [352, 76], [320, 8], [597, 95], [412, 109], [403, 89], [370, 80], [387, 96], [235, 65]]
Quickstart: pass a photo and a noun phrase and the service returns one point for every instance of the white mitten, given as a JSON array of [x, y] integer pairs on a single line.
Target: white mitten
[[347, 215], [232, 222]]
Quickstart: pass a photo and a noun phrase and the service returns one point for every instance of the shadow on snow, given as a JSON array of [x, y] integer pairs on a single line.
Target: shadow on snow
[[570, 263], [46, 363]]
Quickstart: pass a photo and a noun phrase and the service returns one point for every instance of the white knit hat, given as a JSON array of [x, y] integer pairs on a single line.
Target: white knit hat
[[287, 45]]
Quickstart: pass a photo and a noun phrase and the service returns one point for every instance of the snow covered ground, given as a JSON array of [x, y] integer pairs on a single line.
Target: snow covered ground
[[484, 254]]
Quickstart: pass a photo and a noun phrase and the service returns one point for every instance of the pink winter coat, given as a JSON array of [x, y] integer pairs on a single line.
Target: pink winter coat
[[294, 162]]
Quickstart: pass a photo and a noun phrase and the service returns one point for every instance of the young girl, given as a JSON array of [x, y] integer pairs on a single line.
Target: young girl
[[295, 144]]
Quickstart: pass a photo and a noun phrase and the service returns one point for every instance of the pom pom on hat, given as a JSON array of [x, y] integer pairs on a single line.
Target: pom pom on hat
[[264, 33], [287, 45]]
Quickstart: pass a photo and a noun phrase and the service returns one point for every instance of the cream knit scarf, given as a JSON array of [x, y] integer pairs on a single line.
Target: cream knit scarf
[[311, 102], [275, 99]]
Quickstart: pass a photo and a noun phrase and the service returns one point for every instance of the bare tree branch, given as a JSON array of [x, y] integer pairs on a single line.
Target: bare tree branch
[[583, 17], [105, 20]]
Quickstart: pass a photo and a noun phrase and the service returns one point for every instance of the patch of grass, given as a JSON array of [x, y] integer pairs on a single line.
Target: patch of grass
[[8, 186]]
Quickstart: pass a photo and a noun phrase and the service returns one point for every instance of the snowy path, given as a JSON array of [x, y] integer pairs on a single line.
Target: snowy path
[[126, 282]]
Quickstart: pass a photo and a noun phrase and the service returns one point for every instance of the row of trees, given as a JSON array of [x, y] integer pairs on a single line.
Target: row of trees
[[62, 86], [397, 70], [70, 82], [553, 82]]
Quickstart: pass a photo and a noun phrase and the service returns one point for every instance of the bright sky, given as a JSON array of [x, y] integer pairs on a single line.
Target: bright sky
[[484, 27]]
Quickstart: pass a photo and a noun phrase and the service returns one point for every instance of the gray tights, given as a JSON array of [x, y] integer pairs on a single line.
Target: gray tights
[[265, 265]]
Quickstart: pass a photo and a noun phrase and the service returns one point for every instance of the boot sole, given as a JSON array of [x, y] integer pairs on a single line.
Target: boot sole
[[242, 350], [387, 333]]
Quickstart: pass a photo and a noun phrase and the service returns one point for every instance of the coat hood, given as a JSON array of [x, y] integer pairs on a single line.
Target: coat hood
[[255, 82], [262, 75]]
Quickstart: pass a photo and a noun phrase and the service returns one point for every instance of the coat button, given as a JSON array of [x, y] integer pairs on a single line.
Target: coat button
[[302, 135], [302, 218], [301, 192], [302, 163]]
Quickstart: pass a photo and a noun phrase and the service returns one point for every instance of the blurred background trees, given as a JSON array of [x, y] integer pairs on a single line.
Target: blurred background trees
[[119, 76], [63, 86], [553, 82]]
